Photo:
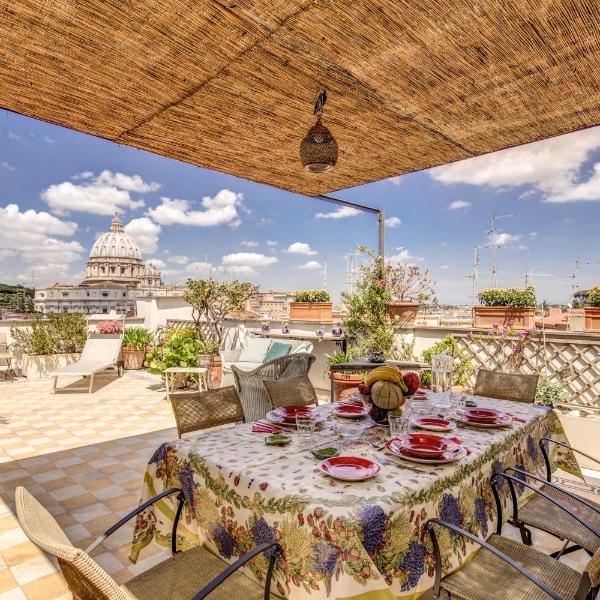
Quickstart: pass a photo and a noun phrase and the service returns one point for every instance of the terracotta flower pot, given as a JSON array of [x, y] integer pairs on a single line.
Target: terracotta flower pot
[[133, 360], [487, 316], [215, 373], [344, 384], [311, 311], [406, 312], [592, 318]]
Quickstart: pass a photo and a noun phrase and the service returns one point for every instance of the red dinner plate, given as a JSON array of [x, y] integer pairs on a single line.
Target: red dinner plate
[[482, 415], [349, 410], [424, 445], [452, 454], [350, 468], [433, 423], [289, 413]]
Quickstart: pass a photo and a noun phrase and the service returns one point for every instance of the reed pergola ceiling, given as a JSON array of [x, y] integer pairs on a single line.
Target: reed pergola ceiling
[[230, 84]]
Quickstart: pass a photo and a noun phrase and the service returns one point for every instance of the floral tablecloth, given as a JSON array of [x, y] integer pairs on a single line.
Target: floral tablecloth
[[363, 541]]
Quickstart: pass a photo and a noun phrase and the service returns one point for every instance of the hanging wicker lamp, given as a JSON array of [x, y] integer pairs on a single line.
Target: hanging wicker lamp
[[318, 149]]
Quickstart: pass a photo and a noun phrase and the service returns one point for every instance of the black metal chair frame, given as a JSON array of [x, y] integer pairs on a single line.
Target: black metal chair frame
[[585, 592], [219, 579], [544, 448]]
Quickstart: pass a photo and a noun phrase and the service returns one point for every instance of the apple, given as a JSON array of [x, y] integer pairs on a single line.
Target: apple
[[413, 383]]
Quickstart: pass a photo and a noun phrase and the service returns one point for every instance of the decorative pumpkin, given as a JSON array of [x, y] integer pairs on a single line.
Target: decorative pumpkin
[[386, 394]]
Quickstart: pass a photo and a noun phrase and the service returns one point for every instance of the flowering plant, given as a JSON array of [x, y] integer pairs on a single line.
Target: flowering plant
[[312, 296], [407, 283], [512, 297], [107, 327]]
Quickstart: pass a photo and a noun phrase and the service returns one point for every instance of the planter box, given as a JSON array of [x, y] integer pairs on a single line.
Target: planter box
[[133, 360], [592, 318], [40, 366], [311, 311], [486, 316], [406, 312]]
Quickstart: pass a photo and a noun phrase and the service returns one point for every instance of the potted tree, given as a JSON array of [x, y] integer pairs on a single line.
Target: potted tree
[[369, 327], [135, 343], [408, 287], [592, 310], [501, 306], [311, 305], [211, 302]]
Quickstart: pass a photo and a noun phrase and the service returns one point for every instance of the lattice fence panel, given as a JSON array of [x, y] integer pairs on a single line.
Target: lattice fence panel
[[207, 328], [577, 361]]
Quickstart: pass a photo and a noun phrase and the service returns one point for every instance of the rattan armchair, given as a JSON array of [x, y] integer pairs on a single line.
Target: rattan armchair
[[506, 386], [200, 410], [189, 575], [249, 384], [505, 568], [541, 514]]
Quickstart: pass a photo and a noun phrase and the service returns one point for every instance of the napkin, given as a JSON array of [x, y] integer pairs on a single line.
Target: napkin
[[264, 427]]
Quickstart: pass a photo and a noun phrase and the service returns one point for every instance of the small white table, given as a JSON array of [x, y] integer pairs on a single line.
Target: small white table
[[201, 371]]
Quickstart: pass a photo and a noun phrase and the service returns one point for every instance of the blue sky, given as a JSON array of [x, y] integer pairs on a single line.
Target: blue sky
[[59, 188]]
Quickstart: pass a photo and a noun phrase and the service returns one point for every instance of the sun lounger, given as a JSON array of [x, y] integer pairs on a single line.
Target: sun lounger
[[100, 352]]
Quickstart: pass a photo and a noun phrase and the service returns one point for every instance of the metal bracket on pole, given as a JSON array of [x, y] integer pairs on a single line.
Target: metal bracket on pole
[[364, 208]]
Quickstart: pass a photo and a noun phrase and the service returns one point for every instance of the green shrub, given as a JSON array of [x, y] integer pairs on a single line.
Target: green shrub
[[514, 297], [312, 296], [60, 333], [593, 296], [136, 338], [551, 392], [461, 364], [178, 351]]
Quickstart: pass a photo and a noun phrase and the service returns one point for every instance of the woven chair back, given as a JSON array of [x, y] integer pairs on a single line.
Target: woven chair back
[[593, 569], [201, 410], [292, 391], [506, 386], [86, 579]]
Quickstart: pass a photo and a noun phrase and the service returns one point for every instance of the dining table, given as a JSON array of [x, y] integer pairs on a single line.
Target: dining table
[[340, 540]]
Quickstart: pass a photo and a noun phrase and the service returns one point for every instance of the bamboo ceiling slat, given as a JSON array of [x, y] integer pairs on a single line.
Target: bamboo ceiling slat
[[229, 84]]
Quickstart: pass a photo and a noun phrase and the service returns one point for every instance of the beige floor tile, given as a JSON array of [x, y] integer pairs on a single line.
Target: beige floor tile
[[46, 588], [21, 553], [7, 581]]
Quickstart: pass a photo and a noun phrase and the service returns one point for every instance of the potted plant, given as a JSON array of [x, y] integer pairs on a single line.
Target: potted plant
[[208, 357], [179, 348], [369, 328], [265, 326], [48, 344], [501, 305], [344, 382], [285, 328], [592, 310], [337, 331], [135, 343], [109, 327], [311, 305], [408, 287]]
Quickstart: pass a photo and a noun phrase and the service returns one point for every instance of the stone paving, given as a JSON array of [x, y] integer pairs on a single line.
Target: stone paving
[[83, 456]]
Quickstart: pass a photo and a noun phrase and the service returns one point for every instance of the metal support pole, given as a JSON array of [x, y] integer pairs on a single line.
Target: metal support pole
[[365, 208]]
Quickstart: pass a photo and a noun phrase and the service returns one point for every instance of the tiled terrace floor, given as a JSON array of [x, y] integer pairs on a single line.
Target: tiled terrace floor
[[83, 456]]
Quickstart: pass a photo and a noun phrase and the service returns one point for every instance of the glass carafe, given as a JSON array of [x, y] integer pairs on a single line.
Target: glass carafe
[[441, 377]]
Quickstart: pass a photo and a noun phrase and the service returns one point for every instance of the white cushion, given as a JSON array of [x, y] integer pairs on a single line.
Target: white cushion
[[302, 347], [255, 350]]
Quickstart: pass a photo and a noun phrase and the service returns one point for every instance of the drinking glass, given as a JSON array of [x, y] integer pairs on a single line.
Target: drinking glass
[[441, 376], [305, 426], [398, 425]]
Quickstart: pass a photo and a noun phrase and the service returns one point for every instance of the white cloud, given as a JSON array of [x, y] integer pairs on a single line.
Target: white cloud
[[404, 257], [218, 210], [4, 166], [178, 259], [504, 239], [249, 244], [236, 269], [301, 248], [553, 168], [49, 140], [16, 137], [533, 235], [144, 233], [395, 180], [28, 236], [339, 213], [393, 222], [199, 267], [157, 262], [102, 195], [131, 183], [445, 267], [235, 224], [311, 264], [458, 205], [272, 243], [247, 259]]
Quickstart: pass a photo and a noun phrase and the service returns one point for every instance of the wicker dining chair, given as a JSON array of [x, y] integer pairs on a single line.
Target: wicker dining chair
[[506, 386], [291, 391], [249, 384], [189, 575], [541, 514], [195, 411], [506, 569]]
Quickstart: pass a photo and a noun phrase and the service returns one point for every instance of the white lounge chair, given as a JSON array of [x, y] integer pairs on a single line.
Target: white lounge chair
[[100, 352]]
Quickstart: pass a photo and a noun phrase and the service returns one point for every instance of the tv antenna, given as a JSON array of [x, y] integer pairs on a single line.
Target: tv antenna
[[495, 217]]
